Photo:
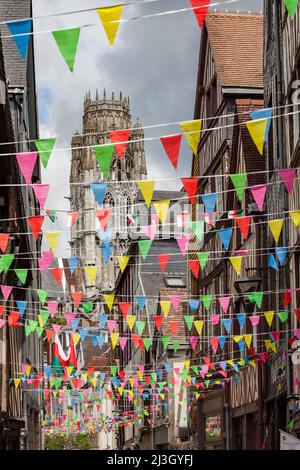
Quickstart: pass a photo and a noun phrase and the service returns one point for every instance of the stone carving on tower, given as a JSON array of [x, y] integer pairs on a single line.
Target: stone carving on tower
[[101, 116]]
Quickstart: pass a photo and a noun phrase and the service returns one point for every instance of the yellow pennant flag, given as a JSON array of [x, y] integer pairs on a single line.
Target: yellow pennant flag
[[162, 208], [295, 215], [165, 306], [27, 371], [91, 272], [130, 321], [192, 131], [253, 364], [248, 340], [147, 188], [86, 405], [114, 340], [94, 382], [139, 374], [76, 338], [69, 370], [110, 18], [217, 382], [187, 363], [197, 395], [237, 338], [269, 317], [270, 345], [230, 362], [199, 326], [109, 300], [123, 261], [257, 130], [131, 381], [53, 240], [236, 262], [276, 227], [55, 394], [84, 377], [17, 382], [120, 390], [241, 361]]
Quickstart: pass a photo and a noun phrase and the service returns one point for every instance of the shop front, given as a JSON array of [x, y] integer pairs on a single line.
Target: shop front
[[211, 421]]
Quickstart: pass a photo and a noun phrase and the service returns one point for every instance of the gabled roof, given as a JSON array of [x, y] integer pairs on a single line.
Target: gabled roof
[[237, 46]]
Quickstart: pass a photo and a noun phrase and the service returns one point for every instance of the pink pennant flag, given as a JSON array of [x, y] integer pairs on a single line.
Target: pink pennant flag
[[69, 317], [122, 342], [23, 368], [2, 323], [141, 368], [297, 333], [26, 163], [259, 194], [202, 373], [175, 301], [149, 231], [45, 261], [183, 243], [177, 371], [73, 216], [214, 319], [288, 178], [224, 302], [111, 325], [254, 320], [6, 290], [41, 193], [56, 328], [193, 341], [52, 306]]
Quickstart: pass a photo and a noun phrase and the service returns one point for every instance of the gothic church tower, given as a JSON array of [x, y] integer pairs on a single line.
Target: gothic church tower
[[101, 116]]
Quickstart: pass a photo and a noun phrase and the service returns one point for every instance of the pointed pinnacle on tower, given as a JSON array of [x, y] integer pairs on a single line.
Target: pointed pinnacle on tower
[[104, 93]]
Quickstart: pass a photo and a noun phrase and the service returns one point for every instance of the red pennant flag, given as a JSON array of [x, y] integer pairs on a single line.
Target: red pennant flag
[[252, 352], [190, 186], [13, 319], [201, 12], [35, 223], [135, 339], [76, 296], [276, 335], [158, 321], [120, 136], [122, 375], [141, 344], [163, 261], [73, 216], [147, 380], [1, 310], [243, 224], [57, 274], [194, 267], [124, 307], [297, 313], [103, 217], [286, 299], [90, 371], [4, 241], [174, 327], [49, 334], [171, 144]]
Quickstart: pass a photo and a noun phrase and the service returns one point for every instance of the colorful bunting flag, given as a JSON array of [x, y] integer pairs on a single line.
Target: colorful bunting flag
[[18, 30], [225, 236], [163, 261], [120, 136], [26, 162], [144, 247], [44, 148], [161, 208], [201, 11], [295, 216], [288, 176], [4, 237], [171, 144], [91, 272], [203, 257], [275, 226], [22, 275], [67, 42], [190, 185], [259, 194], [104, 154], [236, 262], [123, 261], [53, 240], [99, 190], [147, 187], [192, 131], [209, 201], [291, 6], [239, 182], [36, 223], [110, 18], [243, 224]]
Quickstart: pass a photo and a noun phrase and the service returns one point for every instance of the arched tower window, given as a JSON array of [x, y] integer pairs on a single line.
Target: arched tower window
[[125, 207]]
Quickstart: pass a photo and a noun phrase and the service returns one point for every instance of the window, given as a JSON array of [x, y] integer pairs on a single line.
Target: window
[[213, 428], [174, 282], [125, 204]]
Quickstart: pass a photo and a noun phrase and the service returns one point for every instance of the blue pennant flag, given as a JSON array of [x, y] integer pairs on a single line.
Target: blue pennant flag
[[236, 380], [225, 236], [194, 305], [235, 366], [72, 262], [263, 114], [247, 361], [21, 304], [223, 364], [106, 251], [83, 333], [20, 27], [241, 317], [99, 190], [241, 345], [75, 323], [166, 405], [100, 340], [222, 340], [210, 201], [227, 322], [94, 340], [193, 380], [159, 373], [145, 396], [47, 370], [106, 236], [272, 262], [167, 366], [141, 300], [102, 320], [281, 253]]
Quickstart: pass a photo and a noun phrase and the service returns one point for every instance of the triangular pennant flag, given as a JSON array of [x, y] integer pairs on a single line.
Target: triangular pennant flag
[[193, 341], [72, 262], [124, 307], [224, 302], [256, 297], [44, 148], [214, 344], [147, 188], [171, 144], [257, 129], [175, 300], [57, 273], [36, 223], [147, 343], [236, 262], [239, 182], [243, 224], [227, 322], [51, 214], [198, 228], [141, 300], [165, 306], [114, 340], [52, 306], [214, 319], [22, 275], [192, 131], [288, 178], [194, 305], [106, 251], [26, 163], [110, 18], [283, 316], [158, 321], [269, 317], [91, 272], [109, 300], [104, 154], [149, 231], [201, 11], [281, 253], [163, 261], [291, 6], [42, 295], [4, 237], [122, 343], [103, 217], [189, 320], [21, 304], [53, 240], [99, 190], [199, 326], [5, 262], [140, 326], [254, 320], [111, 325], [131, 321], [259, 194], [190, 185], [120, 136], [225, 236], [194, 267], [144, 247], [162, 208], [174, 327], [6, 290], [165, 341], [18, 30], [183, 243], [272, 262], [67, 42], [295, 215], [276, 227], [123, 261], [241, 318], [206, 300], [203, 257], [209, 201], [76, 297]]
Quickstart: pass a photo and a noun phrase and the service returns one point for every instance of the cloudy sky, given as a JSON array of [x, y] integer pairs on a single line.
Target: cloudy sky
[[154, 61]]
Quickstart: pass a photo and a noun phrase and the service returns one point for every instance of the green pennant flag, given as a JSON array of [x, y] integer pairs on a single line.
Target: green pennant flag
[[27, 330], [51, 213], [22, 275], [113, 370], [42, 295], [165, 341], [283, 315], [144, 246], [239, 182], [184, 374], [197, 228], [147, 343], [68, 393], [33, 324], [39, 330], [5, 262], [154, 376], [140, 325], [45, 147], [51, 382], [87, 307], [176, 345], [203, 257], [104, 154], [256, 297], [195, 369], [67, 42], [58, 382], [45, 315], [291, 6], [189, 320], [206, 300], [207, 382]]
